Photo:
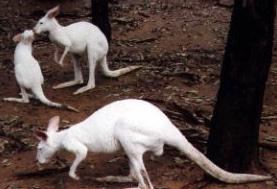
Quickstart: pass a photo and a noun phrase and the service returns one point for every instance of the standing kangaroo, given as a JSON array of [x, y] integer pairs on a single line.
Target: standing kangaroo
[[28, 73], [78, 38], [135, 126]]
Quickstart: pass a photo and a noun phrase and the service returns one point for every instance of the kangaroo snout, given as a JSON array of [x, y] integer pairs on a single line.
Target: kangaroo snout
[[35, 31]]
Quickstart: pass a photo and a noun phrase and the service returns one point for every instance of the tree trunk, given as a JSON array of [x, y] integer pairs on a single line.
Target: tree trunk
[[100, 16], [234, 134]]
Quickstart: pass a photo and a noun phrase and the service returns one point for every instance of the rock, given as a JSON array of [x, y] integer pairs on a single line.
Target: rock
[[226, 3]]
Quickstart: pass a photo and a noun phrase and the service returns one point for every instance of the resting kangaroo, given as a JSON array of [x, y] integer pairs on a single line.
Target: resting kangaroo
[[78, 38], [28, 73], [135, 126]]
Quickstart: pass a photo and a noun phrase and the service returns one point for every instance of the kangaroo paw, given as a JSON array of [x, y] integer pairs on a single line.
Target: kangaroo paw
[[67, 84], [119, 179], [83, 89]]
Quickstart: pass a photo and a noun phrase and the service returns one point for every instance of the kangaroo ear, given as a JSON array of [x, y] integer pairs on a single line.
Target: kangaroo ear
[[53, 12], [17, 38], [53, 125], [41, 135]]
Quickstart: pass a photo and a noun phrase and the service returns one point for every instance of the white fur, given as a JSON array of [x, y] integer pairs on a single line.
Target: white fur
[[27, 71], [78, 38], [135, 126]]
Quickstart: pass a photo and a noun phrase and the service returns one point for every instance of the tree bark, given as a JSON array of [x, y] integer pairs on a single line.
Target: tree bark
[[234, 134], [100, 16]]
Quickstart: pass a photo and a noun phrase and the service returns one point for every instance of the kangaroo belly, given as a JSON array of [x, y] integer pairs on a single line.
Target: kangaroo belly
[[105, 146], [28, 75], [78, 48]]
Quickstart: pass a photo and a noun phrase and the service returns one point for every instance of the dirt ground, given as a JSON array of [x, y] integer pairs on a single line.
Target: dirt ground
[[181, 43]]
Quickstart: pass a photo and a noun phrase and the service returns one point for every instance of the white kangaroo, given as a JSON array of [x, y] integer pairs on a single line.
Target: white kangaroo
[[28, 73], [78, 38], [135, 126]]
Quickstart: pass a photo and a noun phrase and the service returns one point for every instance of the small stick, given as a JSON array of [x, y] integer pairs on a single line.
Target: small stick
[[71, 108], [44, 172]]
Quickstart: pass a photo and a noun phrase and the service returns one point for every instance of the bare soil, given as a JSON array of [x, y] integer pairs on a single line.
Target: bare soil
[[181, 43]]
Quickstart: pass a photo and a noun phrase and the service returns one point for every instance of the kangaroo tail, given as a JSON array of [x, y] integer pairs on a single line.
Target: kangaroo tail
[[208, 166], [38, 92], [116, 73]]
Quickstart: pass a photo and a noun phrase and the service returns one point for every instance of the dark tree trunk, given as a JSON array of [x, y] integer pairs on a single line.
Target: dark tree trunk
[[100, 16], [233, 140]]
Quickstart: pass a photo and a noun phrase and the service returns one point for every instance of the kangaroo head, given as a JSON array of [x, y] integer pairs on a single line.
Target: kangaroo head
[[47, 146], [27, 37], [46, 23]]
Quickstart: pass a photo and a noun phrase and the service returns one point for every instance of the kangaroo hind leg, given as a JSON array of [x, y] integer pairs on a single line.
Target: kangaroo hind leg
[[120, 179], [78, 77], [24, 95], [92, 61], [135, 152]]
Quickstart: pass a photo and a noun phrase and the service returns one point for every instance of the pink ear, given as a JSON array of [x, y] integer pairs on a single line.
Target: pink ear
[[17, 38], [54, 12], [53, 125], [41, 135]]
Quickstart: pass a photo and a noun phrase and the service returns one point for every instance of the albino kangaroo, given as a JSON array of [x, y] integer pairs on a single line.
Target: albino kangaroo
[[28, 73], [78, 38], [135, 126]]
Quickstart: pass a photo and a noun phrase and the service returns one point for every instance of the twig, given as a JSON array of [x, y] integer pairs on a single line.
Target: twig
[[143, 14], [146, 40], [190, 76], [268, 145], [136, 41], [152, 67], [44, 172], [269, 117], [123, 20], [71, 108]]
